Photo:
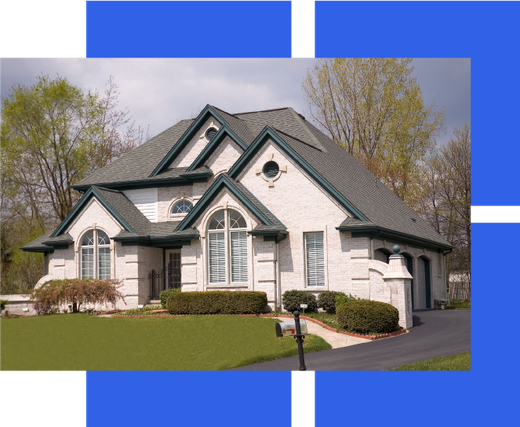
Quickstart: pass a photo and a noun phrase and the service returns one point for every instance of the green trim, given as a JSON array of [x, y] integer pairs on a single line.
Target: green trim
[[39, 249], [186, 137], [262, 138], [269, 238], [266, 232], [91, 192], [211, 193], [214, 143], [392, 235], [173, 242], [181, 180]]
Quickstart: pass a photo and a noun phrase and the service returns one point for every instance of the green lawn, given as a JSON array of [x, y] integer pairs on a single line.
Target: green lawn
[[459, 305], [457, 362], [82, 342]]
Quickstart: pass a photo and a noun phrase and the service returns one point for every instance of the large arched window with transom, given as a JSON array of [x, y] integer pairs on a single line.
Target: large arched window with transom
[[95, 255], [227, 248]]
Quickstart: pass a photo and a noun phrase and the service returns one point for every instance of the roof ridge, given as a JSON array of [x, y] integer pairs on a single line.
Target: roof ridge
[[302, 121], [224, 111], [107, 189], [261, 111], [296, 139]]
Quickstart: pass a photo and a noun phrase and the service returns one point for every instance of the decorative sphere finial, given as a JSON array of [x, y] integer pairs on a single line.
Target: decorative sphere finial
[[396, 249]]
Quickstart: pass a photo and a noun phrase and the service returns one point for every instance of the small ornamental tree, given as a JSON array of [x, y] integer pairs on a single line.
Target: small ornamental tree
[[76, 292]]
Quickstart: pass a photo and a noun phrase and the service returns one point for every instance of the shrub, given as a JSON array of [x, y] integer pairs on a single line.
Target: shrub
[[292, 299], [163, 296], [367, 316], [3, 303], [217, 302], [54, 293], [327, 301], [342, 299]]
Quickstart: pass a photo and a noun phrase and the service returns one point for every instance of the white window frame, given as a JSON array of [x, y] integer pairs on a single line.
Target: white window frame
[[227, 231], [305, 255], [95, 247], [177, 216]]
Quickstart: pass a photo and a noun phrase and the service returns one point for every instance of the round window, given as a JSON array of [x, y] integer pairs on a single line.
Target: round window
[[271, 169], [210, 133]]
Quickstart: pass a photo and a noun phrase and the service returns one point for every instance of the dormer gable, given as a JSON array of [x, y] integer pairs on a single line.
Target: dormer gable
[[199, 127], [224, 134]]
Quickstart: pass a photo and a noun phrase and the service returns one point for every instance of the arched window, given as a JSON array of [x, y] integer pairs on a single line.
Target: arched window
[[95, 255], [182, 207], [227, 247]]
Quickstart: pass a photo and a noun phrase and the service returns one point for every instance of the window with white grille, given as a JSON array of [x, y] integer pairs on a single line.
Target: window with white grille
[[95, 255], [227, 247], [314, 259]]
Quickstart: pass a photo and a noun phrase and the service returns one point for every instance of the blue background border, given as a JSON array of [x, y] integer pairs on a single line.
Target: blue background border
[[486, 33]]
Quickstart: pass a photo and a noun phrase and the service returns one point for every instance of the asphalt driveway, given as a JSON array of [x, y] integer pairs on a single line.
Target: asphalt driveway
[[435, 333]]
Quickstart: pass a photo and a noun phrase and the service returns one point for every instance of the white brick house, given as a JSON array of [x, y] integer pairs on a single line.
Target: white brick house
[[258, 201]]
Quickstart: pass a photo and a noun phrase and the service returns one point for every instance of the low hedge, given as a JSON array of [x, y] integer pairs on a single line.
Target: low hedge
[[367, 316], [327, 301], [217, 302], [163, 296], [292, 299]]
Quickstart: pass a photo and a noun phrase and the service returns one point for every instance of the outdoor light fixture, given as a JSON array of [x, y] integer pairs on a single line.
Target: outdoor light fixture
[[25, 310], [140, 306]]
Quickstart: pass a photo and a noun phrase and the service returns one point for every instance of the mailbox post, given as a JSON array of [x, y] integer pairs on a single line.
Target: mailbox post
[[299, 339], [296, 329]]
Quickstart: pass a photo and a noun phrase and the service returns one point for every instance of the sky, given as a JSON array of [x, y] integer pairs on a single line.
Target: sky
[[160, 92]]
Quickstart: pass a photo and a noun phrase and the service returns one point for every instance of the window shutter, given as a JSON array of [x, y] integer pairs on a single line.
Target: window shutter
[[238, 256], [217, 258], [315, 259]]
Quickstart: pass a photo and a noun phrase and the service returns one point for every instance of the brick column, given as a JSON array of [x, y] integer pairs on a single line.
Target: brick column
[[398, 279]]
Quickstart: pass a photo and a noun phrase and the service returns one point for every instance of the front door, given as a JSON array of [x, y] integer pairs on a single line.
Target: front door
[[173, 268]]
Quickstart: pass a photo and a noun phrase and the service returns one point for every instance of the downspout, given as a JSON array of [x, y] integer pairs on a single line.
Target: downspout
[[277, 278]]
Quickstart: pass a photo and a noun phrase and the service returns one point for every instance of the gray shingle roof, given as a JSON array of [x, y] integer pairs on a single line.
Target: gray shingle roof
[[139, 163], [38, 243], [126, 209], [237, 125], [374, 199], [378, 203], [285, 119]]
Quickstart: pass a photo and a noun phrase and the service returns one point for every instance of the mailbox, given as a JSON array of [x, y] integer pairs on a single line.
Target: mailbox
[[288, 329]]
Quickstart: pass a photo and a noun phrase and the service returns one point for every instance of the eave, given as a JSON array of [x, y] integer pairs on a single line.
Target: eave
[[382, 233], [181, 180]]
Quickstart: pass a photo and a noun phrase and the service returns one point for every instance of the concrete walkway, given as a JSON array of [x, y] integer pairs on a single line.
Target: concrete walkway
[[333, 338]]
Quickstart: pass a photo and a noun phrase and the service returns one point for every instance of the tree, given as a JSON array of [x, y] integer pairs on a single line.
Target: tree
[[53, 135], [374, 109], [445, 199]]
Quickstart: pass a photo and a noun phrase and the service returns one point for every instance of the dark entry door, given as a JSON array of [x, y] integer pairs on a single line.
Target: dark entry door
[[173, 269], [409, 265], [427, 283]]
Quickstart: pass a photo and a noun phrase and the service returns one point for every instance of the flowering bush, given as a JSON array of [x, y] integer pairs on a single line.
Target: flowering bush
[[76, 292]]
